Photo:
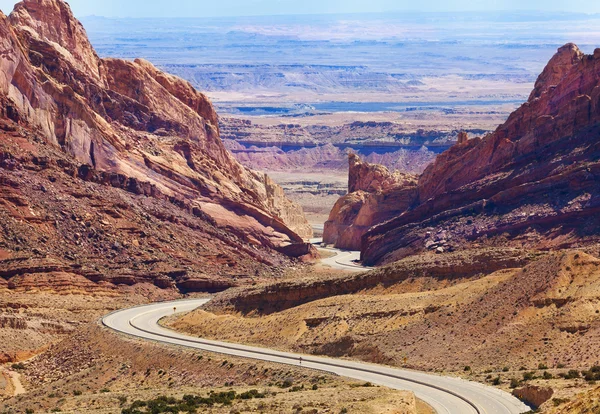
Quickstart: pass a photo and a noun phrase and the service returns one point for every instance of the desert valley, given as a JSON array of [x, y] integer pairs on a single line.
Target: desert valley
[[239, 215]]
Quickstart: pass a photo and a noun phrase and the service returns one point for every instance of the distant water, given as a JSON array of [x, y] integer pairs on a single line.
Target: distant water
[[337, 107], [362, 148], [401, 106]]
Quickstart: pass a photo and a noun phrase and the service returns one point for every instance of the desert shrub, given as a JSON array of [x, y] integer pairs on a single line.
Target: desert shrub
[[572, 374], [547, 376], [248, 395], [467, 368], [542, 366], [77, 393], [559, 401], [497, 381], [528, 376], [189, 403], [592, 375], [514, 383], [287, 383]]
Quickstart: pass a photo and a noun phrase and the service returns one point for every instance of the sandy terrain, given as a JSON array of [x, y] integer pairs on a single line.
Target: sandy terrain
[[542, 317], [83, 373]]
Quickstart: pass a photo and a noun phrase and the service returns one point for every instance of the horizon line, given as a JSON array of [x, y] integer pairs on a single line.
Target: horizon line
[[480, 12]]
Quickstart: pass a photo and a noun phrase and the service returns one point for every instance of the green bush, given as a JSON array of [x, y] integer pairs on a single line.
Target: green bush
[[528, 376], [514, 383], [189, 403], [287, 383], [572, 374]]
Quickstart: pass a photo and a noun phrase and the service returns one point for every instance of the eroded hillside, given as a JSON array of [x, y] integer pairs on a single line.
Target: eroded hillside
[[113, 171]]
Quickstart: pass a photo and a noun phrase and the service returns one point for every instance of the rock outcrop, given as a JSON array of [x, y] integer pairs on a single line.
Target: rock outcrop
[[87, 123], [374, 195], [532, 183], [533, 395]]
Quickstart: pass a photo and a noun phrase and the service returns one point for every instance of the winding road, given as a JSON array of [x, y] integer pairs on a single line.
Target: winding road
[[341, 259], [446, 395]]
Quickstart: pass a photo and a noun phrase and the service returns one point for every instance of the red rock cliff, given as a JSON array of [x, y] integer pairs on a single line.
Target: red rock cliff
[[374, 195], [131, 118], [128, 126], [533, 182]]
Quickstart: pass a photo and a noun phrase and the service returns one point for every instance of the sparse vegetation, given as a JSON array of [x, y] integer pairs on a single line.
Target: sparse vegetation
[[287, 383], [189, 403], [592, 375], [559, 401], [572, 374]]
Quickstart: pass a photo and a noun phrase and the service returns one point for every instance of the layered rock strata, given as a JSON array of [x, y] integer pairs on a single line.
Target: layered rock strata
[[532, 183], [374, 195], [138, 148]]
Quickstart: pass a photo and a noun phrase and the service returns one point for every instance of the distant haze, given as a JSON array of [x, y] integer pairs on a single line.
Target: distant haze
[[194, 8]]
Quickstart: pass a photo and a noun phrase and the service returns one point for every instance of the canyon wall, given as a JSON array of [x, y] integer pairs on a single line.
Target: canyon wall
[[374, 195], [138, 149], [532, 183]]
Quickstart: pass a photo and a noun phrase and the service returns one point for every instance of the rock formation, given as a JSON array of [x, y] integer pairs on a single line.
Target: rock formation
[[533, 395], [532, 183], [374, 195], [134, 145]]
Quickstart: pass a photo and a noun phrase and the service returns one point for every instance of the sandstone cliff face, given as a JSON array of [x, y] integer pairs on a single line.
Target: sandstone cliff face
[[532, 183], [374, 196], [130, 118], [131, 127]]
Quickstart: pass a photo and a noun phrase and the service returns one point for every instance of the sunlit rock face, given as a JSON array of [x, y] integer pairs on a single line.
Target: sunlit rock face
[[116, 170], [531, 183]]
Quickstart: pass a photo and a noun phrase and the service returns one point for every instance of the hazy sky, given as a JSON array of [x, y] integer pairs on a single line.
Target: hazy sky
[[209, 8]]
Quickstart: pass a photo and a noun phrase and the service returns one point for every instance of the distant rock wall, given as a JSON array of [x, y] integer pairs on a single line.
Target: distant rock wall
[[532, 183], [374, 195]]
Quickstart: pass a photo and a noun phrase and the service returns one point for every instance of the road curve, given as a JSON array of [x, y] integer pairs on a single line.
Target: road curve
[[342, 259], [447, 395]]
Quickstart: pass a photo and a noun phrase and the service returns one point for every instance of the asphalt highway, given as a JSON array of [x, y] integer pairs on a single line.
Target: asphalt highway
[[446, 395]]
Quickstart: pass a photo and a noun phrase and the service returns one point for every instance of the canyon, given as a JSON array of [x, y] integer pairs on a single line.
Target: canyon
[[529, 184], [113, 172], [486, 262], [120, 185]]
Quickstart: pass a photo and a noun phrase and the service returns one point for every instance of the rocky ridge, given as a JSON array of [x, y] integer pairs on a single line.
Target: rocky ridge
[[114, 157], [374, 195], [531, 183]]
